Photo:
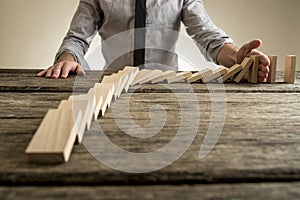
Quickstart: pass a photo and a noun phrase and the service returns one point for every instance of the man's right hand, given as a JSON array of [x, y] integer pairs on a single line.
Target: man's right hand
[[61, 69]]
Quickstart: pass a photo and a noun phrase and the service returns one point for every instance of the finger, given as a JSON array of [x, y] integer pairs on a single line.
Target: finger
[[263, 59], [264, 69], [57, 71], [262, 75], [65, 71], [49, 72], [42, 73], [79, 70], [261, 80]]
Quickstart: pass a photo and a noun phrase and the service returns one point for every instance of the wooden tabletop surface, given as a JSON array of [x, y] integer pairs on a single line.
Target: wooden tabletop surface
[[256, 157]]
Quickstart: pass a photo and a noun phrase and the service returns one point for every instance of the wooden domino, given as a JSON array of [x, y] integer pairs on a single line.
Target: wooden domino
[[253, 71], [164, 76], [92, 102], [111, 80], [179, 77], [119, 80], [230, 73], [246, 64], [99, 101], [199, 75], [124, 79], [81, 103], [132, 72], [290, 69], [54, 140], [79, 107], [104, 92], [144, 73], [216, 74], [153, 75], [272, 73]]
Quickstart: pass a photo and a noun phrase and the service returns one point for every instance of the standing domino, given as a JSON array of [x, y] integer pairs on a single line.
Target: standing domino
[[272, 73], [290, 69]]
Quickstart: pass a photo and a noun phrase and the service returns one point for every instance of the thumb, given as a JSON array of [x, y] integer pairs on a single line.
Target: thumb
[[246, 49], [254, 44]]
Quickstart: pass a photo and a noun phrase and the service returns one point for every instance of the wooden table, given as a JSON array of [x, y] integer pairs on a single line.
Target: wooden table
[[256, 157]]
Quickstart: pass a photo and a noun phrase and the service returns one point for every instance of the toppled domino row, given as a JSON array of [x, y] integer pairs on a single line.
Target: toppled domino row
[[54, 140], [222, 74]]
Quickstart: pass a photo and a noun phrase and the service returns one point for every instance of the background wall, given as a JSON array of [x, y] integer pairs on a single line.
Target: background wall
[[32, 30]]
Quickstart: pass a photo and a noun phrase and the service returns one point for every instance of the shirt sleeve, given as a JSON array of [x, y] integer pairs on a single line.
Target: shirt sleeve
[[84, 26], [208, 37]]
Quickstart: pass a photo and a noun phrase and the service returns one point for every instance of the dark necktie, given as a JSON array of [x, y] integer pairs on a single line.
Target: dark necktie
[[140, 33]]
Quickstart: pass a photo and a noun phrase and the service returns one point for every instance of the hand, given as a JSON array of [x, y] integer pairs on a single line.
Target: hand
[[61, 69], [251, 49]]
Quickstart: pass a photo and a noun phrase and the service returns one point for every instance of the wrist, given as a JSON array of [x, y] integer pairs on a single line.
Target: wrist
[[228, 55]]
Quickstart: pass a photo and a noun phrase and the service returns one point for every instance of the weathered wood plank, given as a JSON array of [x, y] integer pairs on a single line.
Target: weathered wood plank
[[16, 81], [20, 71], [19, 126], [260, 191], [29, 105], [260, 142], [25, 81]]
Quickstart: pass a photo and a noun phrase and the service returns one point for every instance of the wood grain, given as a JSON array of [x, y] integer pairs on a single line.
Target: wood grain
[[30, 83], [28, 105], [256, 156], [259, 191], [243, 154]]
